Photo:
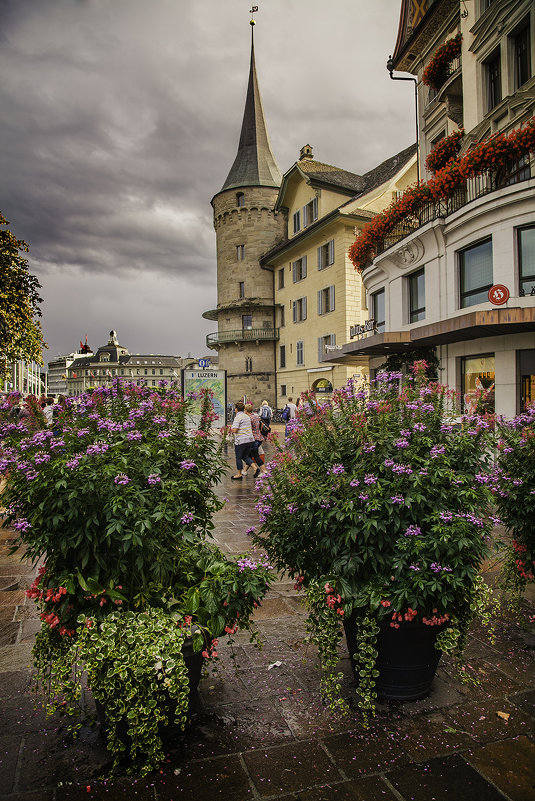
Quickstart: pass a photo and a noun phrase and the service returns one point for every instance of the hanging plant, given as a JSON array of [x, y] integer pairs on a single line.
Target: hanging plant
[[445, 150], [489, 155], [438, 69]]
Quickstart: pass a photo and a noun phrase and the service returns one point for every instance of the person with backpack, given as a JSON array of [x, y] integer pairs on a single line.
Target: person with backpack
[[266, 412], [288, 413]]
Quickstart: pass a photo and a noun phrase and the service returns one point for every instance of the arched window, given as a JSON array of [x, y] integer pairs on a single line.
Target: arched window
[[240, 199]]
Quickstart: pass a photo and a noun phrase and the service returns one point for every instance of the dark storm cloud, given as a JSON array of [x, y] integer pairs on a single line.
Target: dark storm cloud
[[121, 118]]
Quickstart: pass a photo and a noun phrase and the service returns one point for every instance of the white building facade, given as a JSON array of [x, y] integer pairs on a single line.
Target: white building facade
[[459, 275]]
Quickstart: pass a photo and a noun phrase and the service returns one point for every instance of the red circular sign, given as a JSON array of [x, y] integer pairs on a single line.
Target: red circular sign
[[498, 294]]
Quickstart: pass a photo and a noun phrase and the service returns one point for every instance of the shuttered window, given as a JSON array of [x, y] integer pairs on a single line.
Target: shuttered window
[[326, 255], [326, 300]]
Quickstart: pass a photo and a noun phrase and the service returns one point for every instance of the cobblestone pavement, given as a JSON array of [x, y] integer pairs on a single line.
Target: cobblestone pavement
[[261, 732]]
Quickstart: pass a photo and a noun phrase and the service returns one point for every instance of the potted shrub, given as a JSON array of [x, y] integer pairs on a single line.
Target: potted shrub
[[513, 487], [377, 509], [116, 503]]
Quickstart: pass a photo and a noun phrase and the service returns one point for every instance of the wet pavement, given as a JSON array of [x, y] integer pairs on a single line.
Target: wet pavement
[[260, 730]]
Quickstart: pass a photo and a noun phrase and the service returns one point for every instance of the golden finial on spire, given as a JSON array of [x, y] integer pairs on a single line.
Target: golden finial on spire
[[253, 10]]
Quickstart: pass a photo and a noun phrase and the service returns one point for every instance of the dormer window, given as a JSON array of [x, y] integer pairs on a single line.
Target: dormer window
[[240, 199]]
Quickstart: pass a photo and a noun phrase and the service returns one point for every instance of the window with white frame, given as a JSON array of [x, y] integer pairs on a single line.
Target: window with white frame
[[299, 353], [378, 309], [299, 269], [299, 308], [310, 212], [526, 260], [326, 255], [417, 296], [323, 342], [493, 79], [475, 273], [521, 52], [297, 222], [326, 300]]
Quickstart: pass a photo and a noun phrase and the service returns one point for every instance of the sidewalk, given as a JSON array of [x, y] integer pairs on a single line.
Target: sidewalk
[[263, 733]]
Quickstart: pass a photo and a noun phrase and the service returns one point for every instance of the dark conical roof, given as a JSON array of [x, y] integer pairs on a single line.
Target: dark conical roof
[[254, 164]]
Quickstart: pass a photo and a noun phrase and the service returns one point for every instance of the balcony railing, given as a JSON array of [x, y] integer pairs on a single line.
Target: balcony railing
[[516, 171], [433, 92], [241, 335]]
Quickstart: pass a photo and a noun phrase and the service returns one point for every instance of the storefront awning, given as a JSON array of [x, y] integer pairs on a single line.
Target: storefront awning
[[472, 325]]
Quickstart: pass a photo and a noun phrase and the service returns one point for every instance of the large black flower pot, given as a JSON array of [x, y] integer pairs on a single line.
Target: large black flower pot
[[194, 663], [406, 659]]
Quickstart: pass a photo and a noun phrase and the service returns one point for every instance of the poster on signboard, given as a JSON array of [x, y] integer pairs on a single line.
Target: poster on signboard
[[214, 380]]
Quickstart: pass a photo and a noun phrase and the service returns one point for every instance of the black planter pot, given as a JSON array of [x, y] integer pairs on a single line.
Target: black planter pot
[[406, 659], [194, 663]]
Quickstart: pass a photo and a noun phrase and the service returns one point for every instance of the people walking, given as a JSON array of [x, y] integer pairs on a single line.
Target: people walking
[[258, 439], [292, 410], [243, 440], [266, 412]]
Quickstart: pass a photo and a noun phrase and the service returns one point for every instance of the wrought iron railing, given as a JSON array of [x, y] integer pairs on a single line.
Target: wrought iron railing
[[433, 92], [514, 172], [241, 335]]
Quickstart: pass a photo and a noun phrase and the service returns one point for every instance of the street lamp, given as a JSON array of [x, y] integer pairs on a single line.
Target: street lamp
[[390, 68]]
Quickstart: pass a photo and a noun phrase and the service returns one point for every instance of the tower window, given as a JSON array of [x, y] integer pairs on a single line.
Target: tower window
[[247, 322], [240, 252], [242, 289], [240, 199]]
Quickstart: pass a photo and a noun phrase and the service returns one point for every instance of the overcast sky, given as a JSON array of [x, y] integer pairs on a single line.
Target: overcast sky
[[120, 119]]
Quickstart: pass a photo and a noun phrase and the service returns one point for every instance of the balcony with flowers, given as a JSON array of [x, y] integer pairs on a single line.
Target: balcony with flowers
[[443, 69], [494, 163]]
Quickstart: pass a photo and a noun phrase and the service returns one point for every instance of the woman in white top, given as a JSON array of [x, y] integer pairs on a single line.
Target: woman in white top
[[243, 440]]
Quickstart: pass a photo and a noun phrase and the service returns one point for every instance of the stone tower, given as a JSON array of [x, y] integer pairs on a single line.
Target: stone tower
[[246, 227]]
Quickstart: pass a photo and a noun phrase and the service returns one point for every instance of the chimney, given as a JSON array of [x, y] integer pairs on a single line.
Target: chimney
[[306, 153]]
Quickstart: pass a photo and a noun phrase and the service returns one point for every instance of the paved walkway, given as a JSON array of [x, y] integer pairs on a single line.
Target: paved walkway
[[262, 733]]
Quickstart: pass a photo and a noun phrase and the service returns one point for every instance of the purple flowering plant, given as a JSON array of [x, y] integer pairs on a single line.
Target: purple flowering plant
[[120, 521], [386, 513], [512, 484]]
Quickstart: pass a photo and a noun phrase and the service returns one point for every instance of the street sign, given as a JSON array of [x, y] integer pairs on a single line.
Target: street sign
[[498, 294], [204, 363]]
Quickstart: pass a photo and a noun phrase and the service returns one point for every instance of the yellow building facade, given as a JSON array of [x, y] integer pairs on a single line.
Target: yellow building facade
[[319, 297]]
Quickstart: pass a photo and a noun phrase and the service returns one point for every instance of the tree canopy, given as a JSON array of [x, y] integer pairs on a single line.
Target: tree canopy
[[21, 336]]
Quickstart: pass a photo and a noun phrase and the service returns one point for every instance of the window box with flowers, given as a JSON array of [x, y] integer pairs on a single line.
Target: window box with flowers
[[444, 150], [116, 504], [490, 156], [378, 509], [438, 69]]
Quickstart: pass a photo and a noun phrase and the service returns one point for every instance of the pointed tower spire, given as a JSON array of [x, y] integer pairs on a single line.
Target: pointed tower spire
[[254, 164]]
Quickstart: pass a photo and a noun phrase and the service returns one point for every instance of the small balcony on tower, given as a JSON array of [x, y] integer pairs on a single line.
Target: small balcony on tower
[[235, 336]]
